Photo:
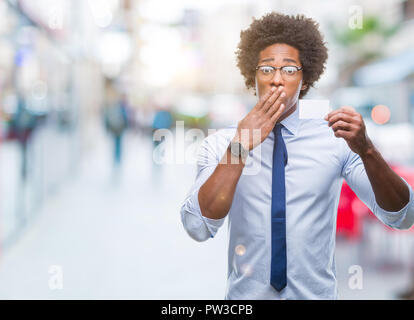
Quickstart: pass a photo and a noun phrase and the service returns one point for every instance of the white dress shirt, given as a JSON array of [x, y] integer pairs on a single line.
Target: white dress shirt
[[317, 164]]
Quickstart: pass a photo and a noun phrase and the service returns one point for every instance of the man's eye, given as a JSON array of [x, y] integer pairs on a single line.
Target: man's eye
[[289, 70], [266, 70]]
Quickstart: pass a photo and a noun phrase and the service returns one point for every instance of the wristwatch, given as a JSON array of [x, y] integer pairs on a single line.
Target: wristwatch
[[237, 149]]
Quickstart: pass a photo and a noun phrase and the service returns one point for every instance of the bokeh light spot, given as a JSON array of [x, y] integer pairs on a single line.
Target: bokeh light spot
[[240, 250], [380, 114], [246, 270]]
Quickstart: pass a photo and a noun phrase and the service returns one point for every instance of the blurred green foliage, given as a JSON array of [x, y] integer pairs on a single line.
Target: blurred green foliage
[[370, 25], [193, 122]]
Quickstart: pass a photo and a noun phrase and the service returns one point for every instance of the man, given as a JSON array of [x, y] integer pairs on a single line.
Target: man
[[282, 218]]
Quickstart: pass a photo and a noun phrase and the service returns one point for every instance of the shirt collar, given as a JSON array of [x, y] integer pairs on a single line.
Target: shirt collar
[[291, 123]]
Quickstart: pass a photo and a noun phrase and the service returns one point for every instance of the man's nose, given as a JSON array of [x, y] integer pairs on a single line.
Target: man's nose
[[277, 79]]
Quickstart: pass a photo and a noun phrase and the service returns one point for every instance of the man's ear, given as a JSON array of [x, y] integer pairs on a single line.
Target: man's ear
[[304, 87]]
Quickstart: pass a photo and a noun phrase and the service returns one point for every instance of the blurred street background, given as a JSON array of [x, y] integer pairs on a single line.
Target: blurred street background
[[90, 191]]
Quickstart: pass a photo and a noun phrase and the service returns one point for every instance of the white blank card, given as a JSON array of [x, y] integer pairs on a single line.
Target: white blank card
[[313, 109]]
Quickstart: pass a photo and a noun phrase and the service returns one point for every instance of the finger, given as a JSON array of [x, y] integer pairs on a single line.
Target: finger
[[331, 114], [340, 117], [275, 106], [265, 97], [342, 125], [278, 113], [272, 99], [346, 110], [343, 134]]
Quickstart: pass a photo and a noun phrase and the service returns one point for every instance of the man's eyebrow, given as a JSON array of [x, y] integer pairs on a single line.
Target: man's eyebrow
[[284, 59], [290, 60]]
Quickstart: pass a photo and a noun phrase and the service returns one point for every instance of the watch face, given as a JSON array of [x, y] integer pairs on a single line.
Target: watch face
[[238, 150], [235, 148]]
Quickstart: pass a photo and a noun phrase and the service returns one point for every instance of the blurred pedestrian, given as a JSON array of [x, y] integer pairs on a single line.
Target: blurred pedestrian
[[21, 127], [162, 120], [116, 122]]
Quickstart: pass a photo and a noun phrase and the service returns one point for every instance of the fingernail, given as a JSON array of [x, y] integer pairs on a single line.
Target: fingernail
[[283, 94], [273, 88]]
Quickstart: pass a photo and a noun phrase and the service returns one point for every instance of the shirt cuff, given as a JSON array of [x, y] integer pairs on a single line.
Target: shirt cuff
[[212, 224], [402, 219]]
